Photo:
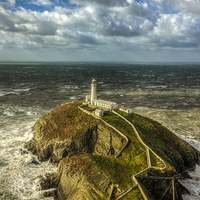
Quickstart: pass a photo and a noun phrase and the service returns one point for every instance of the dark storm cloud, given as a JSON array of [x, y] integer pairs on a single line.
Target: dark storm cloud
[[7, 24], [88, 38]]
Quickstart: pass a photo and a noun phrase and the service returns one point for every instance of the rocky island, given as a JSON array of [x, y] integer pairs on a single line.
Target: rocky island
[[116, 156]]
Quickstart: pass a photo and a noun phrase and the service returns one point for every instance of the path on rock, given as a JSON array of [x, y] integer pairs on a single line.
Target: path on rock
[[141, 141], [148, 150]]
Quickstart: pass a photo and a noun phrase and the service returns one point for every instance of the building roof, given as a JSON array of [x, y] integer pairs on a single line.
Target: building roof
[[104, 102], [124, 108]]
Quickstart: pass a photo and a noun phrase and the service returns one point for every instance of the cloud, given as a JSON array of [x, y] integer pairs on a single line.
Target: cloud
[[186, 7], [41, 2], [125, 25], [110, 3], [176, 31], [7, 4]]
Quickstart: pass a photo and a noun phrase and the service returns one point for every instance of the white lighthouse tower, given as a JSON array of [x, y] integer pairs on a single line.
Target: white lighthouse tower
[[92, 99], [93, 91]]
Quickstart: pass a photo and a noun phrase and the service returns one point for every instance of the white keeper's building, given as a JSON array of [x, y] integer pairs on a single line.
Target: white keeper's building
[[124, 109], [92, 99]]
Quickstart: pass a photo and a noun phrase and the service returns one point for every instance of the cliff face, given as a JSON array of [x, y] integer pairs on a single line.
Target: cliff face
[[67, 134], [84, 149], [82, 179], [67, 131]]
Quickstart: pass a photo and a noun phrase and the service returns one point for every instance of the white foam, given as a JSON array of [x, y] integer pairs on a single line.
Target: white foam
[[3, 93], [29, 113], [19, 169], [73, 97], [22, 90], [140, 108], [8, 113], [28, 134], [193, 185], [71, 87], [12, 93], [157, 86]]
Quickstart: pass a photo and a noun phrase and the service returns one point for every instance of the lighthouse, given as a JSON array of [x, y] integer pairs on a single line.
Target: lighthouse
[[93, 91], [92, 99]]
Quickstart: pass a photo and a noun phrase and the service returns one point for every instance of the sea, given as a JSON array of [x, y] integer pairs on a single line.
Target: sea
[[166, 92]]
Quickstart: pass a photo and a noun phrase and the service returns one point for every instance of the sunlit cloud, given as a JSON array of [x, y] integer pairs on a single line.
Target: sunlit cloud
[[122, 25], [41, 2]]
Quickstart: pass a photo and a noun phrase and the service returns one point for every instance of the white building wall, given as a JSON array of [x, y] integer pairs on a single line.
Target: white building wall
[[98, 112], [129, 110], [114, 105], [88, 98]]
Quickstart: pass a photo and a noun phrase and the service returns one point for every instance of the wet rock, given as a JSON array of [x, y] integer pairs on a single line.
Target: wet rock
[[49, 180], [35, 161], [52, 193], [23, 151]]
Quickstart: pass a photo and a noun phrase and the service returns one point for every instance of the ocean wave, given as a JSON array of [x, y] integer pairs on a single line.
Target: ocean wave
[[140, 108], [178, 92], [71, 87], [156, 86], [22, 90], [72, 98], [12, 111], [4, 93], [193, 185], [9, 113], [18, 169]]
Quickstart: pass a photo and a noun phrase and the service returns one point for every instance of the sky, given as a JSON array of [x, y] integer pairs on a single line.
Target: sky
[[100, 30]]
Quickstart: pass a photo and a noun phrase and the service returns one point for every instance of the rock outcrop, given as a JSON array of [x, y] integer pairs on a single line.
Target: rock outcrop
[[67, 131], [84, 149], [166, 144]]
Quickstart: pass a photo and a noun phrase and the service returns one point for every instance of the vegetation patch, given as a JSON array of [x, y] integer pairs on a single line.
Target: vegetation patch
[[115, 169], [133, 157], [77, 163], [63, 122], [134, 194], [156, 136], [125, 128], [154, 160], [86, 107]]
